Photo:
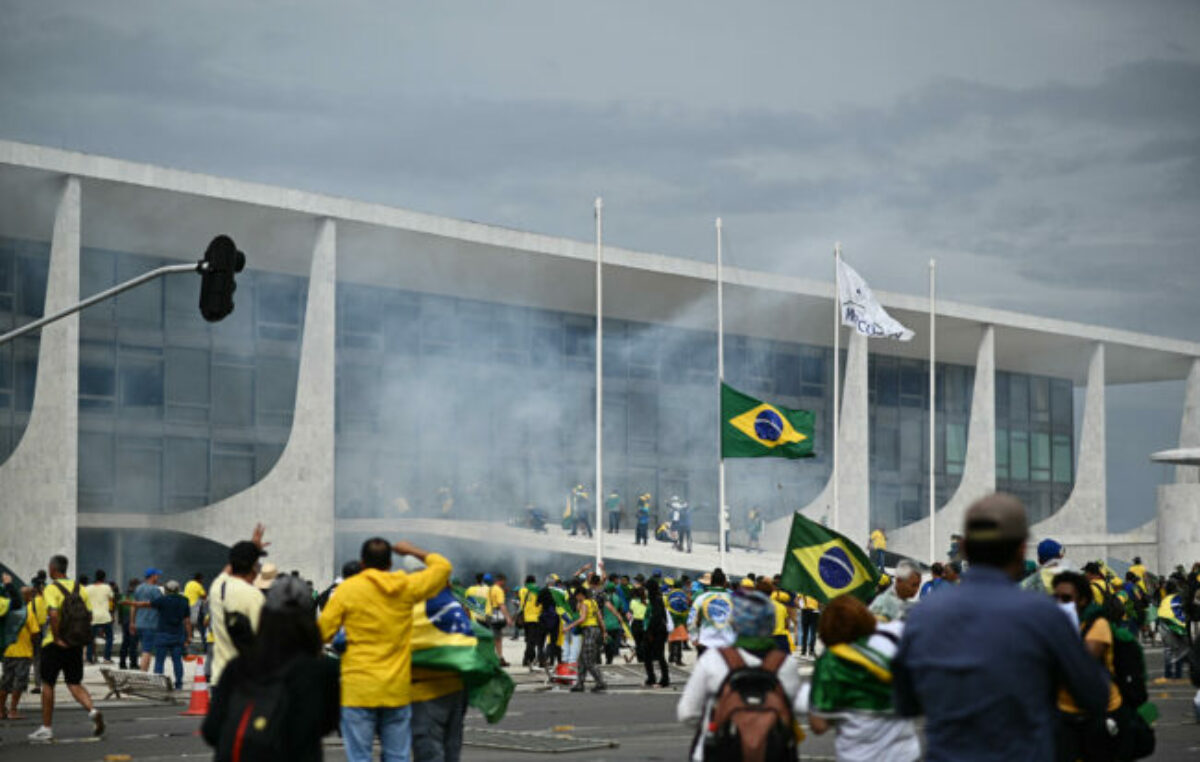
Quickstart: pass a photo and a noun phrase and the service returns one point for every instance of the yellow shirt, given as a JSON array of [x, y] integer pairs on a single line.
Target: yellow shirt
[[230, 594], [781, 619], [590, 613], [375, 608], [39, 606], [878, 540], [430, 684], [1099, 633], [193, 591], [54, 599], [22, 647], [496, 597], [530, 609]]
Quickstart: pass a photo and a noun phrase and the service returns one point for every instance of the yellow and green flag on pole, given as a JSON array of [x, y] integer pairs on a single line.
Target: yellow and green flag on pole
[[823, 564], [751, 428]]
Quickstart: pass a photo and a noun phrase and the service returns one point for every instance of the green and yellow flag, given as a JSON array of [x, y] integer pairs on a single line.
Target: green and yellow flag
[[752, 428], [824, 564]]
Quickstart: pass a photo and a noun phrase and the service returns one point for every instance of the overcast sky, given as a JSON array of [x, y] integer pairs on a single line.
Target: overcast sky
[[1047, 154]]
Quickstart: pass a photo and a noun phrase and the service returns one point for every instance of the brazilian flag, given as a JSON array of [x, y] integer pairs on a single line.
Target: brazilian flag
[[823, 564], [752, 428], [445, 639]]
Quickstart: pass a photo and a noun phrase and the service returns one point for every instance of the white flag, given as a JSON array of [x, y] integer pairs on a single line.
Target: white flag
[[862, 312]]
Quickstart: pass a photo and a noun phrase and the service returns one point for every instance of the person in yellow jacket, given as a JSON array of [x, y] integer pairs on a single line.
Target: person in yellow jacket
[[18, 657], [375, 608], [877, 545]]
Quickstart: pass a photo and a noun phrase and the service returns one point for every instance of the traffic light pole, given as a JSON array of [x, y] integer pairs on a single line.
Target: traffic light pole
[[110, 293]]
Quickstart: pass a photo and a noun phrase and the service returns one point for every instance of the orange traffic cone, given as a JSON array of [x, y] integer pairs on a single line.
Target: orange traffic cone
[[198, 704]]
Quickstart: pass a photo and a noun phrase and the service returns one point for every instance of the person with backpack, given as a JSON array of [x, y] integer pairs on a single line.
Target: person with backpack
[[744, 698], [851, 690], [284, 679], [68, 629], [1119, 733]]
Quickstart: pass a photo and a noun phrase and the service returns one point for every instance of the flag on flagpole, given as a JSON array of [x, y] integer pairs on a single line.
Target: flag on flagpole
[[823, 564], [751, 428], [862, 311]]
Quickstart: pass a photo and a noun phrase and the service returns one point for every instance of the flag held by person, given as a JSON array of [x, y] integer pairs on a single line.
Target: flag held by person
[[862, 311], [751, 428], [445, 638], [823, 564]]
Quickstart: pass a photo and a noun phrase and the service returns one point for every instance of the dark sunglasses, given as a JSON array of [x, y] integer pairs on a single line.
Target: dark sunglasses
[[1065, 597]]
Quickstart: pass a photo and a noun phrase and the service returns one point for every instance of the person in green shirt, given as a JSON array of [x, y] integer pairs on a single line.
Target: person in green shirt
[[612, 504], [129, 638]]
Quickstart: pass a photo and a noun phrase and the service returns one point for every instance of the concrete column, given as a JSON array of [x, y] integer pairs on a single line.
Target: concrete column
[[1086, 510], [854, 461], [1179, 503], [979, 471], [38, 483], [295, 499]]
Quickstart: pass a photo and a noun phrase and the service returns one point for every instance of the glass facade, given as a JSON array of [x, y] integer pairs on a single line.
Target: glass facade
[[24, 266], [449, 406], [472, 409], [175, 412]]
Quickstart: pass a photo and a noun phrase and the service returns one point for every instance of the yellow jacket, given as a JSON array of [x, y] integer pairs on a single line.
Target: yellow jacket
[[375, 607]]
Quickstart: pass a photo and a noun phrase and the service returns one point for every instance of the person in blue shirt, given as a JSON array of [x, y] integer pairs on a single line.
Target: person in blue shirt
[[174, 630], [936, 581], [146, 622], [983, 660]]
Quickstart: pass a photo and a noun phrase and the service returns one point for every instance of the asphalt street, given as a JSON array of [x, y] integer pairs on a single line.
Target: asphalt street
[[627, 723]]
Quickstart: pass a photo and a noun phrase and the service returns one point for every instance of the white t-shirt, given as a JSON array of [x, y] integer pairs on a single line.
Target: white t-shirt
[[872, 736], [100, 597], [229, 593]]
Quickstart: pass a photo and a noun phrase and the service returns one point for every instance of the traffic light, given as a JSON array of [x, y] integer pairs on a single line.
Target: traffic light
[[221, 261]]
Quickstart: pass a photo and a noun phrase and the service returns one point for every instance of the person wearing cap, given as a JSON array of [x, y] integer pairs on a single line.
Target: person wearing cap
[[1051, 562], [375, 607], [642, 534], [174, 630], [266, 575], [753, 620], [234, 603], [982, 661], [287, 648], [145, 624]]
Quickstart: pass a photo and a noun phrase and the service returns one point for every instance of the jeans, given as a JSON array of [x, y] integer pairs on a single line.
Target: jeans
[[571, 645], [129, 648], [808, 630], [533, 644], [98, 630], [642, 537], [164, 646], [393, 725], [878, 557], [437, 728], [614, 522]]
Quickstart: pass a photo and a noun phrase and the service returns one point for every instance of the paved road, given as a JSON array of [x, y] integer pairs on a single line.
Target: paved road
[[640, 721]]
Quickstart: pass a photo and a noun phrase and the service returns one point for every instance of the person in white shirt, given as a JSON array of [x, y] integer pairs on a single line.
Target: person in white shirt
[[234, 603], [753, 621], [100, 596]]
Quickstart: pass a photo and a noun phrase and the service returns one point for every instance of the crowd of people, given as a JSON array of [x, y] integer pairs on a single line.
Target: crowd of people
[[1004, 658]]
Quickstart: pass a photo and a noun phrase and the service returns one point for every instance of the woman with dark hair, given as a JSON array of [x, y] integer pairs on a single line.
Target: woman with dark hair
[[280, 697], [654, 638]]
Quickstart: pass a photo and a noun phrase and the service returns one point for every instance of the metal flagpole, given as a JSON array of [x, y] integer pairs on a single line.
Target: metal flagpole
[[599, 530], [837, 371], [932, 411], [722, 521]]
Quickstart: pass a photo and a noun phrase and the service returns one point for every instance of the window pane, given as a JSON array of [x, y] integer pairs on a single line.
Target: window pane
[[95, 462], [141, 387], [1018, 398], [187, 466], [956, 443], [233, 390], [1019, 456], [231, 473], [1062, 412], [1062, 459], [139, 479], [188, 376], [142, 305], [1040, 451]]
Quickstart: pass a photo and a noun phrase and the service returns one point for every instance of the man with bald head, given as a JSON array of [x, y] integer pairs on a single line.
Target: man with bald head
[[983, 660]]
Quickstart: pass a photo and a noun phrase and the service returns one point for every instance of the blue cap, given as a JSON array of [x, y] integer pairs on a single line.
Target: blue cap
[[151, 572], [658, 572], [1048, 549], [487, 578]]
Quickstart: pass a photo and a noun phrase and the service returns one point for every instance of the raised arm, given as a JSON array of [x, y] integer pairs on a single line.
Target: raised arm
[[428, 582]]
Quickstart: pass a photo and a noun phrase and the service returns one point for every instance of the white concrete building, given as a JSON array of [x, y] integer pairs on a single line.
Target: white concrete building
[[391, 371]]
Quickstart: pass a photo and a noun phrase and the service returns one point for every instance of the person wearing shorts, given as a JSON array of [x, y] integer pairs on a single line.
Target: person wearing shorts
[[59, 658]]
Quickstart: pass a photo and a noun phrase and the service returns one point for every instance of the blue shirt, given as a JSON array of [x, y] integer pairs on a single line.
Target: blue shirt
[[147, 619], [982, 661], [172, 611]]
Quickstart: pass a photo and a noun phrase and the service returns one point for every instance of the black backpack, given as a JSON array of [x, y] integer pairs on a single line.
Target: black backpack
[[751, 719], [254, 727], [74, 617], [1129, 675]]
